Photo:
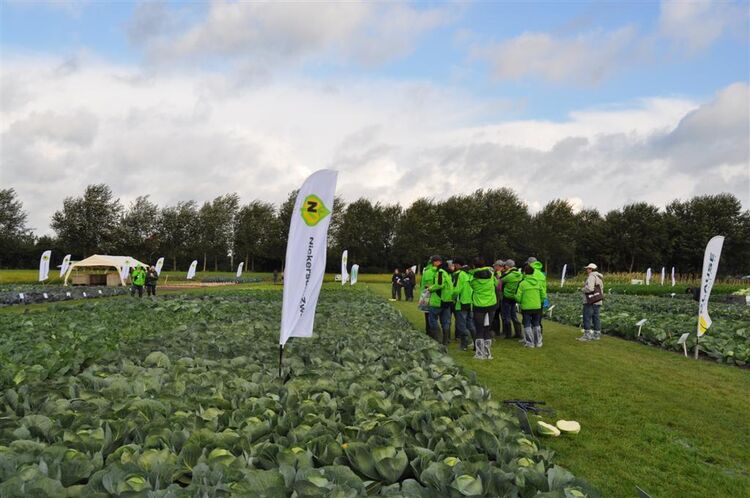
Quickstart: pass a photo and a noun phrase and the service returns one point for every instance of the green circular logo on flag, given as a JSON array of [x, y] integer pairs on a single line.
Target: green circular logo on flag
[[313, 210]]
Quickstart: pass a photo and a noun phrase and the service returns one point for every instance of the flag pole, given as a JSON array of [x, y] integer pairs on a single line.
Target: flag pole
[[281, 355], [697, 340]]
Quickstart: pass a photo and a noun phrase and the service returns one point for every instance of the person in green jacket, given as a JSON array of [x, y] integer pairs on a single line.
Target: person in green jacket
[[511, 277], [427, 279], [138, 279], [484, 302], [462, 293], [530, 296], [441, 301]]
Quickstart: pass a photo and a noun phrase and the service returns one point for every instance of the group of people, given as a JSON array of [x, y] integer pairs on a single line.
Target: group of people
[[140, 278], [485, 301], [405, 280]]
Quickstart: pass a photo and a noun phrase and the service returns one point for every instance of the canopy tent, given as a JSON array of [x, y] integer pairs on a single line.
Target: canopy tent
[[103, 261]]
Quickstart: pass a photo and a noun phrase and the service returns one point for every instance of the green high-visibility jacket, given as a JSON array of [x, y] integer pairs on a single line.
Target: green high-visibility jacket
[[511, 279], [531, 293], [138, 277], [539, 274], [441, 290], [462, 291], [483, 283]]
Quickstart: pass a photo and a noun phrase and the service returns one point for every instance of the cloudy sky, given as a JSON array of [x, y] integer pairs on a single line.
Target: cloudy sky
[[600, 103]]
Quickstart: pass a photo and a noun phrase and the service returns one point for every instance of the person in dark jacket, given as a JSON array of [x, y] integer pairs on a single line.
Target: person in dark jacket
[[409, 281], [511, 277], [151, 279], [396, 284]]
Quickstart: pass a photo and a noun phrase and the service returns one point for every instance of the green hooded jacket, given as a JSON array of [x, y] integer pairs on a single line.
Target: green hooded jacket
[[483, 283], [511, 279], [538, 273], [531, 293], [441, 290], [428, 277], [462, 291], [138, 277]]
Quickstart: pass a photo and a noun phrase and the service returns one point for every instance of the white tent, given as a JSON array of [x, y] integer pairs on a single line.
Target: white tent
[[103, 261]]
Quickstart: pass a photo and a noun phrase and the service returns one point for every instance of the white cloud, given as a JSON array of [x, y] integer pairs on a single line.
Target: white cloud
[[696, 24], [187, 137], [262, 36], [587, 58]]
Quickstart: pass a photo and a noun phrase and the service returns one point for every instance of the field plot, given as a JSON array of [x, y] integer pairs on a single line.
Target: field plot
[[181, 396], [728, 340], [35, 294]]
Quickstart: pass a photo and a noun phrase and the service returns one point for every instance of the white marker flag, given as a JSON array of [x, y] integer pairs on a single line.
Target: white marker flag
[[648, 276], [355, 273], [306, 254], [159, 264], [65, 265], [44, 265], [673, 281], [564, 271], [710, 268], [344, 273], [125, 270], [239, 269], [663, 274], [191, 270]]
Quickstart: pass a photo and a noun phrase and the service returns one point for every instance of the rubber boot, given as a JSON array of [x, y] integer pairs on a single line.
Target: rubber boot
[[479, 349], [528, 337], [587, 336], [538, 336], [488, 349], [517, 328], [597, 335]]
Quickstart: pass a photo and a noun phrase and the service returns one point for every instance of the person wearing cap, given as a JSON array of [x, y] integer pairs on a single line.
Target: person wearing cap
[[151, 279], [537, 267], [497, 315], [396, 284], [592, 326], [462, 292], [484, 302], [441, 301], [428, 276], [511, 277], [530, 296]]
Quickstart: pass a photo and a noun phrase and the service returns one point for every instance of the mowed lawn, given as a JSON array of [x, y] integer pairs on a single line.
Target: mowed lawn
[[650, 418]]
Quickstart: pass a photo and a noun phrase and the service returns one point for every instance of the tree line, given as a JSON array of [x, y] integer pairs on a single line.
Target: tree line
[[490, 224]]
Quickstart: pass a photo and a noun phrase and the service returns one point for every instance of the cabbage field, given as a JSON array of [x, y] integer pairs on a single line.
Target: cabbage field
[[727, 341], [35, 294], [181, 397]]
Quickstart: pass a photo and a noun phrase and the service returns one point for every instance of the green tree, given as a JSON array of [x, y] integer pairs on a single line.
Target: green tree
[[15, 237], [178, 230], [138, 233], [254, 231], [367, 231], [636, 237], [555, 231], [89, 223]]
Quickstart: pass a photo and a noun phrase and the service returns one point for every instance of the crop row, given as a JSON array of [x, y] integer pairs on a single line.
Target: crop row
[[34, 294], [181, 397], [727, 341]]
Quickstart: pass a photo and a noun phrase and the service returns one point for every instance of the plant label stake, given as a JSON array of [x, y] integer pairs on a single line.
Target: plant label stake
[[683, 340], [45, 295], [550, 310], [640, 324], [84, 295], [67, 294], [100, 292], [672, 294], [20, 296]]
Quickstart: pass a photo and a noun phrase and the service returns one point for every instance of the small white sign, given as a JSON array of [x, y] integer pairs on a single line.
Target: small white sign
[[45, 295], [550, 310], [672, 294], [84, 295], [67, 294], [683, 340], [20, 296], [100, 291], [640, 324]]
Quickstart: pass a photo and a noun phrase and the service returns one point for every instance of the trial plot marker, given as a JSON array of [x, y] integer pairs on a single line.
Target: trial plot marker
[[45, 295], [683, 340], [550, 310], [640, 323], [21, 296]]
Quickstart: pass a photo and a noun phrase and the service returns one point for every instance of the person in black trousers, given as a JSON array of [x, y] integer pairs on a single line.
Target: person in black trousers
[[408, 281], [396, 284]]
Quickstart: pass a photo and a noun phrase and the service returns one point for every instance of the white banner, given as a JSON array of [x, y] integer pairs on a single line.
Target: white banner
[[239, 269], [44, 265], [125, 269], [191, 270], [710, 268], [306, 254], [65, 265], [355, 273], [648, 276], [344, 273], [159, 264], [564, 271], [663, 274], [673, 280]]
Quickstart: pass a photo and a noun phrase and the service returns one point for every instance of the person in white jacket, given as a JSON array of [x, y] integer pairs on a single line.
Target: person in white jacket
[[593, 294]]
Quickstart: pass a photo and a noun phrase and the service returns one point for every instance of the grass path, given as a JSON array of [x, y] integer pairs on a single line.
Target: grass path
[[673, 426]]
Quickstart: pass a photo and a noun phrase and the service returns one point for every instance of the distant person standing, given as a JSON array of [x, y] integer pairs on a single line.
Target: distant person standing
[[511, 277], [138, 279], [441, 302], [530, 297], [462, 292], [593, 294], [484, 302], [151, 279], [409, 281], [396, 284], [275, 276]]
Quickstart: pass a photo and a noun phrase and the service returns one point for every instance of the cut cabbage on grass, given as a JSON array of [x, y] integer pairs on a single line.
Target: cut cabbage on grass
[[546, 429], [568, 426]]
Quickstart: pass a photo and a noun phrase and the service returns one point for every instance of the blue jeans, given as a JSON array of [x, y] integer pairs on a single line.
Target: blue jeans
[[532, 318], [508, 312], [464, 325], [444, 314], [591, 314]]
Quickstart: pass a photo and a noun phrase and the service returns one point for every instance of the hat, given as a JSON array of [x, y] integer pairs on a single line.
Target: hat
[[499, 262], [591, 266], [510, 262], [531, 259], [436, 258]]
